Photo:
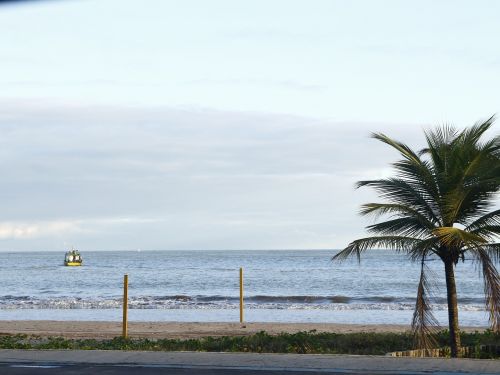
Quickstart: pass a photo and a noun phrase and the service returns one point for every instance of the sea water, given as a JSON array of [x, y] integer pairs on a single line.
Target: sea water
[[279, 286]]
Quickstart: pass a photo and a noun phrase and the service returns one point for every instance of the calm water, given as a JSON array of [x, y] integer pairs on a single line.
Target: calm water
[[293, 286]]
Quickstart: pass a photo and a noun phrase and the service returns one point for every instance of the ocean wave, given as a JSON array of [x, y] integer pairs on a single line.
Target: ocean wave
[[303, 299], [231, 302]]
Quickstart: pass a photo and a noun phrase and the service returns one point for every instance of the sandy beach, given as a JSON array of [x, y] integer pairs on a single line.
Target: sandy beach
[[104, 330]]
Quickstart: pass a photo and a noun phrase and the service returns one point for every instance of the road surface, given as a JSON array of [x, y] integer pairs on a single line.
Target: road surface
[[40, 362]]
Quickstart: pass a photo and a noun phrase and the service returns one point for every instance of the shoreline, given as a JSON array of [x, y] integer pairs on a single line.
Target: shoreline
[[184, 330]]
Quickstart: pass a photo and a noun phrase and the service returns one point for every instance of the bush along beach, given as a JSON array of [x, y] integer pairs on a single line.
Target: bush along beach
[[439, 206], [302, 343]]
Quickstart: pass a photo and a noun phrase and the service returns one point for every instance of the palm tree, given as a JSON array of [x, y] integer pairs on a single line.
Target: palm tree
[[439, 205]]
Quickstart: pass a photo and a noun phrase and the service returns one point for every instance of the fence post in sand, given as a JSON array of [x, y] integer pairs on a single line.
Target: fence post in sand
[[125, 305], [241, 295]]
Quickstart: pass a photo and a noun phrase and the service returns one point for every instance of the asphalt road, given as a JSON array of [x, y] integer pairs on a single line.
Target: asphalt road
[[55, 369], [39, 362]]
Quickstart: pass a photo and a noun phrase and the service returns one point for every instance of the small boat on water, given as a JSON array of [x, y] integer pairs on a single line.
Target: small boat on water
[[73, 258]]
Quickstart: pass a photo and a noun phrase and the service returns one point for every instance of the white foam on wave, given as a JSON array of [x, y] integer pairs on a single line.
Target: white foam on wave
[[148, 302]]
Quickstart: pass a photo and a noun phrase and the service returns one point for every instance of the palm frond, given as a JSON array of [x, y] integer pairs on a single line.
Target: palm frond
[[470, 177], [474, 195], [403, 149], [400, 192], [424, 324], [491, 218], [438, 141], [493, 251], [398, 243], [456, 237], [413, 247], [425, 247], [398, 210], [491, 288], [412, 168], [403, 226], [472, 135], [420, 174], [442, 135], [488, 232]]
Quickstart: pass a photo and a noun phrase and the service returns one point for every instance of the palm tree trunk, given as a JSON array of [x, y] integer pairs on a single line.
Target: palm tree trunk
[[451, 291]]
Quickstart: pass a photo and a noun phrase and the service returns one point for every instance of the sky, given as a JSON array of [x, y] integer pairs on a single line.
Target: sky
[[223, 124]]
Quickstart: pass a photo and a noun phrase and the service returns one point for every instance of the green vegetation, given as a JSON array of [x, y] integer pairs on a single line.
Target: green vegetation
[[438, 206], [302, 342]]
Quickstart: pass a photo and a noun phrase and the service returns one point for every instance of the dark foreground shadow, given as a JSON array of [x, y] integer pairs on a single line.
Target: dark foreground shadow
[[55, 369]]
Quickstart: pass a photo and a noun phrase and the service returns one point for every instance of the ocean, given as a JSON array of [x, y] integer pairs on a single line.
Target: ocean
[[279, 286]]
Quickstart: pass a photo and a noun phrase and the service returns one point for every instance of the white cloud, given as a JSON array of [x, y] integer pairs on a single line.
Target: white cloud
[[33, 230], [169, 178], [25, 230]]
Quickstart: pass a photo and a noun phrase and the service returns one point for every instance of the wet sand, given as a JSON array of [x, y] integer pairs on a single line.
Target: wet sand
[[181, 330]]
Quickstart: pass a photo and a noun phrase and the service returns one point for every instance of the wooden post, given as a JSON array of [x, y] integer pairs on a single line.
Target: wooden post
[[125, 305], [241, 295]]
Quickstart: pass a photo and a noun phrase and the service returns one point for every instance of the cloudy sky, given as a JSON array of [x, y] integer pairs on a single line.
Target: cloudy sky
[[222, 124]]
